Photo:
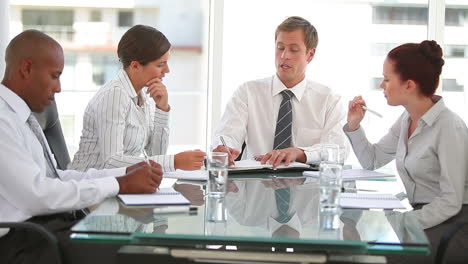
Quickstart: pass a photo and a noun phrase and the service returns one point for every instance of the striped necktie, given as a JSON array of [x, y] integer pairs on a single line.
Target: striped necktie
[[282, 197], [284, 122], [51, 171]]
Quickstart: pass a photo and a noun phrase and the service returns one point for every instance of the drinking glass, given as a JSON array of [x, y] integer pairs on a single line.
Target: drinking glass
[[217, 163]]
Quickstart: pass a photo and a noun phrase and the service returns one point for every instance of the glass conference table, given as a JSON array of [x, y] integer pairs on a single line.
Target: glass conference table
[[245, 225]]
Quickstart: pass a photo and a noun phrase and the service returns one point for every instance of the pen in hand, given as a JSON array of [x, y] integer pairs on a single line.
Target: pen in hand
[[145, 155], [224, 144], [371, 111]]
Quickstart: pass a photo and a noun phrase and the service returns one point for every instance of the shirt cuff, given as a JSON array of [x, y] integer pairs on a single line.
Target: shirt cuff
[[109, 186], [357, 134], [161, 118], [312, 154], [166, 162]]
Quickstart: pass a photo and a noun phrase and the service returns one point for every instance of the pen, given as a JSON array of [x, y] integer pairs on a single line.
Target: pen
[[177, 209], [146, 157], [371, 111], [224, 144]]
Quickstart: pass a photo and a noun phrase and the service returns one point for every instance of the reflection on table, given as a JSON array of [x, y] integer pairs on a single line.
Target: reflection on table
[[260, 213]]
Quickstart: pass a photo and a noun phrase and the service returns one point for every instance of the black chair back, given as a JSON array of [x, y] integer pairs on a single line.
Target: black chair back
[[50, 123]]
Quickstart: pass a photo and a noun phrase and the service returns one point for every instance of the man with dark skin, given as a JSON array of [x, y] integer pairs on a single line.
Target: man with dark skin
[[31, 188]]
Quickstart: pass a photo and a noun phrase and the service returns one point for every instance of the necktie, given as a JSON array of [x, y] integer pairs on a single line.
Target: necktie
[[284, 123], [282, 197], [51, 171]]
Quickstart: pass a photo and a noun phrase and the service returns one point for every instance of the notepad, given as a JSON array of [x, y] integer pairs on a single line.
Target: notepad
[[370, 201], [353, 174], [254, 165], [164, 196], [196, 175]]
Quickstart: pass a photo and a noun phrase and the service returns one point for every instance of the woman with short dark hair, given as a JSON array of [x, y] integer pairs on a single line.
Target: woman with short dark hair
[[128, 118]]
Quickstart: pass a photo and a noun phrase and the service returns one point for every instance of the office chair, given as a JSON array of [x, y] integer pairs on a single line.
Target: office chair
[[50, 123], [445, 241], [32, 227]]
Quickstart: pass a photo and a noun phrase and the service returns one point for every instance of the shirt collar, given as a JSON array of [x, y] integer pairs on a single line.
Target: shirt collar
[[126, 83], [433, 113], [16, 103], [278, 86], [294, 223]]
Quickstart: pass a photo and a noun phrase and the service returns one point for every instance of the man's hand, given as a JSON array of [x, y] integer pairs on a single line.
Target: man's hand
[[189, 160], [286, 155], [158, 91], [232, 153], [141, 178]]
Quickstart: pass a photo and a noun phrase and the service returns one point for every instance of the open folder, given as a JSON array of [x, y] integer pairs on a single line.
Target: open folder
[[246, 166], [164, 196]]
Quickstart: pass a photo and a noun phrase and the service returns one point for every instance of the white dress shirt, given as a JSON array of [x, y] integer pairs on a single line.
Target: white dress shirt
[[25, 190], [255, 205], [431, 163], [252, 112], [116, 129]]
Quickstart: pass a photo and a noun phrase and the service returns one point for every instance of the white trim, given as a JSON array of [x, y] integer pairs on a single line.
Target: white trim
[[4, 33], [215, 72], [435, 26]]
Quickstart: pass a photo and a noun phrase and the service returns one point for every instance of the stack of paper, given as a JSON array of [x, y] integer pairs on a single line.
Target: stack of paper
[[370, 201], [163, 196], [353, 174]]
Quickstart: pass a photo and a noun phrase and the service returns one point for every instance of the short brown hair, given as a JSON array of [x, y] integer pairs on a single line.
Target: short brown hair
[[143, 44], [420, 62], [294, 23]]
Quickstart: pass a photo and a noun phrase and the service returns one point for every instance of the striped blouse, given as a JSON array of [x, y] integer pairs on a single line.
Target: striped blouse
[[116, 129]]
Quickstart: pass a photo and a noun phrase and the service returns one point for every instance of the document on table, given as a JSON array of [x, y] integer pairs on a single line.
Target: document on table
[[370, 201], [164, 196], [196, 175], [353, 174], [249, 164]]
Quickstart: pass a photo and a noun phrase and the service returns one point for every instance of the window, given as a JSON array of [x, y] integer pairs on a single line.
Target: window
[[57, 23], [95, 16], [455, 51], [399, 15], [125, 19], [91, 57], [456, 16], [104, 68], [451, 85]]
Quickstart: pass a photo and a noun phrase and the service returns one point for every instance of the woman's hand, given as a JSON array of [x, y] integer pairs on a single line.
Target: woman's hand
[[158, 91], [189, 160], [355, 113]]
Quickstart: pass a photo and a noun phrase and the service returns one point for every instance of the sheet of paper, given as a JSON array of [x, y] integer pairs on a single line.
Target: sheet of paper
[[164, 196], [353, 174], [196, 175], [254, 164], [370, 201]]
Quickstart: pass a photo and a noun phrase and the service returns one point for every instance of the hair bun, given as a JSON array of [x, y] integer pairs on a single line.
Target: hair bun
[[431, 50]]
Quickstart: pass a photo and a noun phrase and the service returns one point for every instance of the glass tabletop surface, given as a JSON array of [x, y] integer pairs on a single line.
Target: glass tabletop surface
[[249, 214]]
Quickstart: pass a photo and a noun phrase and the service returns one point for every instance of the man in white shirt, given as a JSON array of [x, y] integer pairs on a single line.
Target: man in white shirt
[[254, 115], [31, 188]]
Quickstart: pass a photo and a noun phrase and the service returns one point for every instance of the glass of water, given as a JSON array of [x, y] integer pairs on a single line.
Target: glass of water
[[217, 163], [330, 186]]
